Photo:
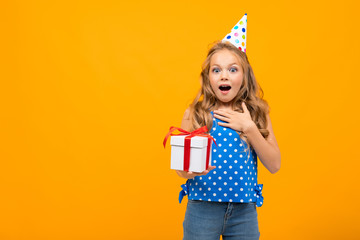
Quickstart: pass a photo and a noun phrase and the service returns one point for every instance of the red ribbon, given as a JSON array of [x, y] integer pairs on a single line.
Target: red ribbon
[[198, 132]]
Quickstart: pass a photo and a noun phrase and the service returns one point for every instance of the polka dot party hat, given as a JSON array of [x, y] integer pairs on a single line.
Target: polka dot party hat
[[237, 36]]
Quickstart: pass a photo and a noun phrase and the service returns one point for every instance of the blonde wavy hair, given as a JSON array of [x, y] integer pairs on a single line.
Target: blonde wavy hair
[[250, 92]]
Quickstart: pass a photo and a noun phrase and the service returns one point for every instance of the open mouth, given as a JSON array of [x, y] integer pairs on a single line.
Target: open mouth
[[224, 88]]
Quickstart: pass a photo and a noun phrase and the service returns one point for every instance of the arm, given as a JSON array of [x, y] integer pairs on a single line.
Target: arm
[[267, 149], [186, 125]]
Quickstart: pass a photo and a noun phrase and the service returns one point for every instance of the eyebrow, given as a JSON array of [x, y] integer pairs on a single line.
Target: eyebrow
[[228, 65]]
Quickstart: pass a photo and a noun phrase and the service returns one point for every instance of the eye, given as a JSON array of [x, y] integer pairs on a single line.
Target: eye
[[233, 69], [216, 70]]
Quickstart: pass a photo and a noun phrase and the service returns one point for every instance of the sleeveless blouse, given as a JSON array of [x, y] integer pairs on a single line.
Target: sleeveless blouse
[[235, 177]]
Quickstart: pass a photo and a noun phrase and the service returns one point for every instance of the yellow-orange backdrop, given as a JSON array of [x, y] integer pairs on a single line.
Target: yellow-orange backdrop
[[90, 88]]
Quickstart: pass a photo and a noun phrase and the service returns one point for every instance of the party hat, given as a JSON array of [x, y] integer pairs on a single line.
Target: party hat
[[237, 36]]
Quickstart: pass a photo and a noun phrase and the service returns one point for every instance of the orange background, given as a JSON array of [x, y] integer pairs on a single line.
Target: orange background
[[89, 89]]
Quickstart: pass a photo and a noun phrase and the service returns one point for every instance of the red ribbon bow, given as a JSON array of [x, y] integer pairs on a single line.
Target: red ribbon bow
[[198, 132]]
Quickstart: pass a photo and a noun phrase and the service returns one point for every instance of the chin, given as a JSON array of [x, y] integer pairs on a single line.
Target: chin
[[225, 100]]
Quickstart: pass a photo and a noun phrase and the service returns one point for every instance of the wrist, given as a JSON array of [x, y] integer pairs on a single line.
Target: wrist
[[182, 174], [249, 128]]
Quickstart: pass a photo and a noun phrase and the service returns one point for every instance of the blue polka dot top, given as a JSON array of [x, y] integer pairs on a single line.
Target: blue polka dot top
[[235, 177]]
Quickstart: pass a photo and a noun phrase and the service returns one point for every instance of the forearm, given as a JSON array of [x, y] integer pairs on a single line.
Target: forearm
[[268, 154]]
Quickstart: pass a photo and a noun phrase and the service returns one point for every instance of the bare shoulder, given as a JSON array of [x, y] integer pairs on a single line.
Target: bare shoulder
[[186, 123], [271, 138]]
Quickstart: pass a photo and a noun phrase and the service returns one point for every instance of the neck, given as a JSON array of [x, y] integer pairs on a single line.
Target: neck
[[223, 105]]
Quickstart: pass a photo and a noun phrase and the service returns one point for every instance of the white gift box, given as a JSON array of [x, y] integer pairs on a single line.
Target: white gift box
[[198, 153]]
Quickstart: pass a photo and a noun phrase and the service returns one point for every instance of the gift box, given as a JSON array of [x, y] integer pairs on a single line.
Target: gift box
[[200, 153], [190, 151]]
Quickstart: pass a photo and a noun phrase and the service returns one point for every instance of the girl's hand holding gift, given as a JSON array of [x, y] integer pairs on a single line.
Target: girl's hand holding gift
[[189, 175], [240, 122]]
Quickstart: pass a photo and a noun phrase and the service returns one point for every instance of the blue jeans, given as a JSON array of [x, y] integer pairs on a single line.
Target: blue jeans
[[208, 220]]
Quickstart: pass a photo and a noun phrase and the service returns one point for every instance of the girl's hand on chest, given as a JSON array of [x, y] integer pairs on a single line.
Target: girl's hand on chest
[[240, 122]]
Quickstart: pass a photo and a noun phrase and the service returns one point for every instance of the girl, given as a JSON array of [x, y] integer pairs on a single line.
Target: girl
[[222, 200]]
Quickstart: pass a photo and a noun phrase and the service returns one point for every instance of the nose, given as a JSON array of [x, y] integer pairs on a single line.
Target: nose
[[224, 75]]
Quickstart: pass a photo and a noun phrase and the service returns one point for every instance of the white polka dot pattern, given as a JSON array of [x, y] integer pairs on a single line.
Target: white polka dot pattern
[[235, 176]]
